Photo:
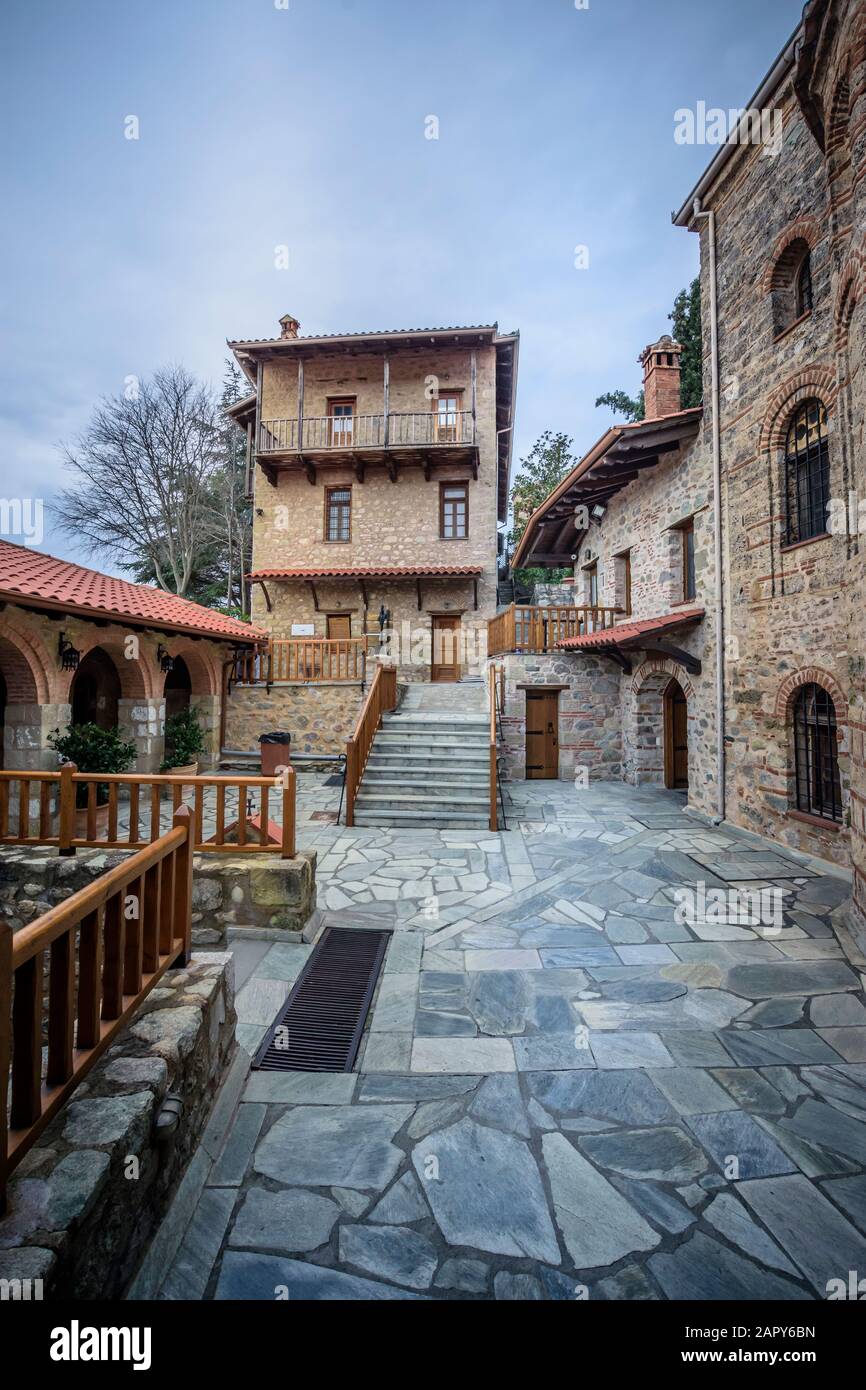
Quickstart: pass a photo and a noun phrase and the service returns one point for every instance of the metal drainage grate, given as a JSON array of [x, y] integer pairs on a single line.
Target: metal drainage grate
[[323, 1018]]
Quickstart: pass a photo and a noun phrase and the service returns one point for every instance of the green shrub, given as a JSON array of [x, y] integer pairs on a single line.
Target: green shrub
[[184, 740], [93, 750]]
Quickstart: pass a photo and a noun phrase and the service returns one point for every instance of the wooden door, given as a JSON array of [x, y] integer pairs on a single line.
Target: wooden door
[[676, 737], [339, 626], [446, 649], [542, 734]]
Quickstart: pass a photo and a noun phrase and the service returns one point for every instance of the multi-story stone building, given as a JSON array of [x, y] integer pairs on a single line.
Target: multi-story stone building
[[379, 470], [783, 264]]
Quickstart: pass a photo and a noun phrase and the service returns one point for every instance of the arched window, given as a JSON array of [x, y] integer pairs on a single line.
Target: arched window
[[803, 289], [816, 754], [807, 473]]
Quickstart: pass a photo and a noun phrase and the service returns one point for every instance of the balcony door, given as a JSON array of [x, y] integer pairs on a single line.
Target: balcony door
[[446, 418], [341, 422]]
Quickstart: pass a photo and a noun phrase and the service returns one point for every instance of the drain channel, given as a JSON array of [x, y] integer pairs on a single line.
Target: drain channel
[[320, 1025]]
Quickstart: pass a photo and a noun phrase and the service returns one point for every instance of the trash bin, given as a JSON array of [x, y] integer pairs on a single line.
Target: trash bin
[[275, 752]]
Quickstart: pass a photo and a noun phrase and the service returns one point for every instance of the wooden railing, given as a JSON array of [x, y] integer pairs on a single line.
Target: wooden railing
[[494, 754], [381, 696], [398, 429], [537, 628], [313, 659], [84, 810], [107, 945]]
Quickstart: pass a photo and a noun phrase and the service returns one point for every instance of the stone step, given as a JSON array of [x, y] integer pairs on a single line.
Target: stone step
[[470, 801], [396, 740], [376, 780], [420, 757], [421, 820], [405, 723]]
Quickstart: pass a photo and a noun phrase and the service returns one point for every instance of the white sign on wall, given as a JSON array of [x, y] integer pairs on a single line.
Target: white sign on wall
[[303, 629]]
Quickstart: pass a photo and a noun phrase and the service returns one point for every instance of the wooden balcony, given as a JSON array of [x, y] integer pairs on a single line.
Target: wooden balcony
[[399, 437], [536, 629], [311, 660]]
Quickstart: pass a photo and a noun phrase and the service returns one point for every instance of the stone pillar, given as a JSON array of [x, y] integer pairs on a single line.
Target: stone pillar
[[207, 708], [25, 735], [142, 721]]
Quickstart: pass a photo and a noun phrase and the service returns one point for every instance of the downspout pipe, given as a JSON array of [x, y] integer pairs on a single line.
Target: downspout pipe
[[709, 217]]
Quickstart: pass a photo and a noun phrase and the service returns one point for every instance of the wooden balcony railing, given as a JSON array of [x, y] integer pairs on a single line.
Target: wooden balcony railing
[[103, 960], [381, 696], [396, 430], [304, 659], [535, 629], [82, 810]]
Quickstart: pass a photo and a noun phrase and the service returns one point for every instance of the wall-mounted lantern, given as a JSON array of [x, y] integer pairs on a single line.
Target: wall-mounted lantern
[[166, 662], [69, 655]]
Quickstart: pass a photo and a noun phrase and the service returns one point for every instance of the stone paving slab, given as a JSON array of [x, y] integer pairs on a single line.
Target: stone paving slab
[[565, 1092]]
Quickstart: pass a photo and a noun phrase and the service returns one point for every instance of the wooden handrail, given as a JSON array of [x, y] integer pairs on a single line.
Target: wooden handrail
[[494, 824], [108, 945], [537, 628], [381, 696], [238, 837], [310, 660]]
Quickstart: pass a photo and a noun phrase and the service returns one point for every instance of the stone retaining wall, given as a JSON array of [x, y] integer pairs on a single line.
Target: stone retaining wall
[[86, 1199], [319, 717]]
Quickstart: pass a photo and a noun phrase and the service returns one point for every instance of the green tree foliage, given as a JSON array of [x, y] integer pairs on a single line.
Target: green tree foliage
[[543, 468], [621, 403]]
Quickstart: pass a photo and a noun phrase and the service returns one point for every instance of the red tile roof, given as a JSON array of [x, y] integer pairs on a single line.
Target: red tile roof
[[383, 572], [631, 632], [38, 580]]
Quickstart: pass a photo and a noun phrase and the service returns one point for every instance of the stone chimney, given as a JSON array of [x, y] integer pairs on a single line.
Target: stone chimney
[[661, 377], [289, 327]]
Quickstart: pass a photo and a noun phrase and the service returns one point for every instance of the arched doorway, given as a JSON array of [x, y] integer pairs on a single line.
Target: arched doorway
[[96, 691], [676, 712], [178, 688]]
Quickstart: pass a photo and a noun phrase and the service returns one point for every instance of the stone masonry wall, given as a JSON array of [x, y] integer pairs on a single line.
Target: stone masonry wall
[[319, 717], [85, 1200], [589, 717]]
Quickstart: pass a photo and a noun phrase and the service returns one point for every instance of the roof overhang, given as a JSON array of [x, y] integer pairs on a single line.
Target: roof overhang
[[773, 80], [646, 634], [243, 412], [373, 572], [552, 537], [109, 615]]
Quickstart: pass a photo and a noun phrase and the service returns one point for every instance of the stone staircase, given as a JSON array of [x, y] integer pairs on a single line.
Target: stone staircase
[[429, 766]]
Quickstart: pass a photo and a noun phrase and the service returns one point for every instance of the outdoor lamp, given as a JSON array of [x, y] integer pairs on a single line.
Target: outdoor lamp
[[69, 655], [598, 511], [166, 662]]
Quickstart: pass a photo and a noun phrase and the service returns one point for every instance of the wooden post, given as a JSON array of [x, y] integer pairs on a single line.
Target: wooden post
[[300, 404], [351, 778], [290, 789], [66, 813], [473, 368], [182, 904], [386, 394], [5, 1050]]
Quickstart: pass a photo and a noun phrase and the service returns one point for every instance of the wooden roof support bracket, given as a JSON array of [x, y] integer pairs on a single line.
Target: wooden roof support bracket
[[268, 603], [685, 659], [315, 595], [311, 471], [418, 587], [475, 587], [391, 466], [363, 586], [617, 655], [269, 471], [360, 469]]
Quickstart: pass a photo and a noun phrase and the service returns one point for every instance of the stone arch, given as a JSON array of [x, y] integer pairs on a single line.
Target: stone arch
[[664, 669], [205, 673], [850, 289], [25, 682], [839, 123], [137, 674], [646, 735], [814, 381], [806, 232], [810, 675]]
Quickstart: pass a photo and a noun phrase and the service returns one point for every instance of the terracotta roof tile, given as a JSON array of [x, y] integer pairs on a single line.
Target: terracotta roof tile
[[631, 631], [37, 579], [381, 572]]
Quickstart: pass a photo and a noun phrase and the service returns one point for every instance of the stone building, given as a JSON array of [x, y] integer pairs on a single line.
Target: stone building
[[379, 469], [79, 646], [783, 260]]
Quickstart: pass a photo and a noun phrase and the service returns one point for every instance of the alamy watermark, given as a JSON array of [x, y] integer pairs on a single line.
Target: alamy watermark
[[699, 905], [712, 125], [22, 520]]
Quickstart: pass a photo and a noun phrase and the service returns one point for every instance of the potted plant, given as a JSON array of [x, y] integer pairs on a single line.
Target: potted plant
[[184, 742], [92, 750]]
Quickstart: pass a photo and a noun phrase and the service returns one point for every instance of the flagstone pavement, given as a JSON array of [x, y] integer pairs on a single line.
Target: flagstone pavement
[[564, 1091]]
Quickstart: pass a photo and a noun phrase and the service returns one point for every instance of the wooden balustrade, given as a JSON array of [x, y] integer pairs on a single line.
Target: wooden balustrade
[[397, 429], [381, 696], [83, 810], [538, 628], [107, 946], [313, 659]]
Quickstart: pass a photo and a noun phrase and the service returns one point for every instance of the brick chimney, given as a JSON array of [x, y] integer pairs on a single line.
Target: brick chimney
[[289, 327], [661, 377]]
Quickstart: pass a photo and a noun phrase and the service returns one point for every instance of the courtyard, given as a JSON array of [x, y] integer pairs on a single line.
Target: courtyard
[[565, 1090]]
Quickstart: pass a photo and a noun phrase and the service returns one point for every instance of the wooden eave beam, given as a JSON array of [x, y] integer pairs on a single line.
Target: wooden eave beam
[[685, 659]]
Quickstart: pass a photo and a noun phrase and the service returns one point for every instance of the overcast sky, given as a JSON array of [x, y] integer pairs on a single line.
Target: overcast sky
[[302, 123]]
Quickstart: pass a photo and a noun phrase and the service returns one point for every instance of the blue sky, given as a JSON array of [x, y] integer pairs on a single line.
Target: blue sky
[[262, 126]]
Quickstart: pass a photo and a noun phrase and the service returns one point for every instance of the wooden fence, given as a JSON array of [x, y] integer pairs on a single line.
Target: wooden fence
[[107, 946], [313, 660], [538, 628], [381, 696], [71, 812]]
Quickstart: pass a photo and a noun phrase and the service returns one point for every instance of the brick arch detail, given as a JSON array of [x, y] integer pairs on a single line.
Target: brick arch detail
[[138, 676], [810, 381], [205, 673], [656, 667], [810, 675], [852, 281], [32, 652], [804, 229]]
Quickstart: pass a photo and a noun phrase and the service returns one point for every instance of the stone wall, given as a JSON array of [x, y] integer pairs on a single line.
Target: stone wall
[[85, 1200], [258, 892], [590, 725], [319, 717]]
